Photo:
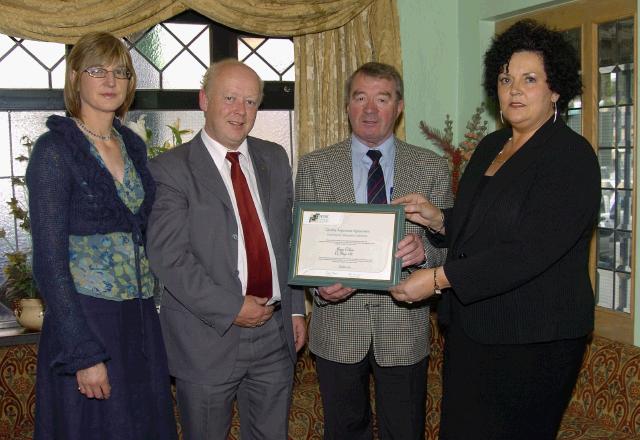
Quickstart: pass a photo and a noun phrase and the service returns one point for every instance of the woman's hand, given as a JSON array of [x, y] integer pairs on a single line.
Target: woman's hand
[[93, 382], [420, 210], [417, 287]]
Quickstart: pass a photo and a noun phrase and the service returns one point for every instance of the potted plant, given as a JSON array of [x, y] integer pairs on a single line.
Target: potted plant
[[19, 291]]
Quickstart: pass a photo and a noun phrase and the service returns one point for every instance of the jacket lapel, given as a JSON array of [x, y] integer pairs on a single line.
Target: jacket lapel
[[504, 178], [262, 175], [403, 167], [206, 172], [341, 173]]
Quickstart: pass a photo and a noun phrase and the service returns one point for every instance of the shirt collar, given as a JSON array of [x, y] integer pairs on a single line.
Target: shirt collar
[[219, 152], [359, 148]]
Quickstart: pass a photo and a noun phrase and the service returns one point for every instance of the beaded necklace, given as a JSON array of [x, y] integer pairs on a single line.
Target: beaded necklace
[[89, 132]]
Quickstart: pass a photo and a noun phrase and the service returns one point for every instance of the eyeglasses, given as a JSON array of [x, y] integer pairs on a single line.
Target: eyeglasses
[[99, 72]]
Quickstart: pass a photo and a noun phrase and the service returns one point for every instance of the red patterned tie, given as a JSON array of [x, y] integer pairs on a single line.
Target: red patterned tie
[[258, 263]]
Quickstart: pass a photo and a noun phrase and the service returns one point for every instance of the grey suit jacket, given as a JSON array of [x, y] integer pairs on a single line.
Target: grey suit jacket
[[344, 331], [193, 249]]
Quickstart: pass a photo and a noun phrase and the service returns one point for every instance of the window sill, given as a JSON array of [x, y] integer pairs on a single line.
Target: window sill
[[17, 336]]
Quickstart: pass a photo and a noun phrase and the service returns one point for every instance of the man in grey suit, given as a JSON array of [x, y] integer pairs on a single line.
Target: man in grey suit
[[218, 239], [357, 333]]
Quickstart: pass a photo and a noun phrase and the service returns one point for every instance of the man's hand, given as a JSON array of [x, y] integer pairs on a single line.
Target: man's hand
[[411, 250], [299, 331], [335, 292], [93, 382], [254, 312]]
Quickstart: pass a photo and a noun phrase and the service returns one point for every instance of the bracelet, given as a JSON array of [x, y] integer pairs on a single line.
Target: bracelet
[[436, 288], [434, 231]]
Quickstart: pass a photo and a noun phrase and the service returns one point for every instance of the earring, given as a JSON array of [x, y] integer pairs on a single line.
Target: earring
[[501, 118], [555, 111]]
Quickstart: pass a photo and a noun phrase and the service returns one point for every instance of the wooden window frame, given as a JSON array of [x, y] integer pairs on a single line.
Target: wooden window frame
[[587, 15]]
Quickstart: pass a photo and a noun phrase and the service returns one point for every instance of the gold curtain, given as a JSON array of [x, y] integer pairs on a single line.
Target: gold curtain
[[64, 21], [325, 60], [331, 38]]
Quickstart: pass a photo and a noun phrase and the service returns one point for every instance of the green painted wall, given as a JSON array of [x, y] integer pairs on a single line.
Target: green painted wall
[[443, 42], [429, 40]]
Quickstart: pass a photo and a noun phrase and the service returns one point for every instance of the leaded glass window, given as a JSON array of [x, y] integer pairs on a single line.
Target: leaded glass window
[[574, 109], [170, 59], [615, 153]]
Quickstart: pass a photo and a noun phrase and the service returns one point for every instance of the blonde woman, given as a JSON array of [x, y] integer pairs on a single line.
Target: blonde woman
[[102, 368]]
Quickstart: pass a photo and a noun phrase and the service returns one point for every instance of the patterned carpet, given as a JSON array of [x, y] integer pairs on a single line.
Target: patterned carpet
[[605, 404]]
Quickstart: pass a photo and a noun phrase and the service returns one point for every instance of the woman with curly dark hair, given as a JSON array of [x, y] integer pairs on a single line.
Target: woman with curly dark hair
[[517, 303]]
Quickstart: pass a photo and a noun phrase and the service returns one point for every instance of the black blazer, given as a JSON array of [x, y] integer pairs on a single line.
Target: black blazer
[[518, 261]]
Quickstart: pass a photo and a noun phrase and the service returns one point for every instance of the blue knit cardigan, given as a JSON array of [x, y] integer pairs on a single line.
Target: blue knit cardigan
[[70, 193]]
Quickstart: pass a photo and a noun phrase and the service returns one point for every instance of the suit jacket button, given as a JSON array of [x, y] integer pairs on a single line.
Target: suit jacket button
[[235, 237], [462, 255]]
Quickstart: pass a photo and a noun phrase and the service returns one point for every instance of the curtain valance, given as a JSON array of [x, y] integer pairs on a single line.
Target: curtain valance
[[64, 21], [331, 39]]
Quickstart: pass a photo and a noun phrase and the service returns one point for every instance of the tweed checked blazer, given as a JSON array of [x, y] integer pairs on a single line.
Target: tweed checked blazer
[[399, 333]]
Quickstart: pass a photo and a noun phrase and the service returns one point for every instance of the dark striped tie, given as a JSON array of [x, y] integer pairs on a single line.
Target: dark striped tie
[[376, 192]]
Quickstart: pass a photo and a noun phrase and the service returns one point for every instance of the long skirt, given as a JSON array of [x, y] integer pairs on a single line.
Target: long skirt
[[140, 406]]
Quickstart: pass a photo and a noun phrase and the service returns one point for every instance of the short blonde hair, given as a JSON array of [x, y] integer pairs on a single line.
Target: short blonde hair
[[213, 69], [96, 49]]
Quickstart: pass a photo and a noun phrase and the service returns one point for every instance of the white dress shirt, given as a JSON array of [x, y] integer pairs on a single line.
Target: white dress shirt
[[218, 153]]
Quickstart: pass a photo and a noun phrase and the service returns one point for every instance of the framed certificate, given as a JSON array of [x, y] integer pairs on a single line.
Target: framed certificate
[[352, 244]]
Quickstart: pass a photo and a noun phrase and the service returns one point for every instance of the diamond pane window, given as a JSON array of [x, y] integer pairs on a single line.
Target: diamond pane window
[[185, 73], [24, 64], [27, 64], [148, 76], [170, 60], [171, 55], [615, 153], [272, 58]]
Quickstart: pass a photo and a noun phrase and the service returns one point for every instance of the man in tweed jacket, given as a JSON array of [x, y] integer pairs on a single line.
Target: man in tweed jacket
[[355, 333]]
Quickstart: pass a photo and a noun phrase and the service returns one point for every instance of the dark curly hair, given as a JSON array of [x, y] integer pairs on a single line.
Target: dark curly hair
[[559, 58]]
